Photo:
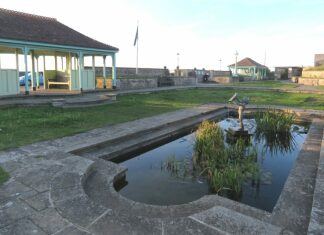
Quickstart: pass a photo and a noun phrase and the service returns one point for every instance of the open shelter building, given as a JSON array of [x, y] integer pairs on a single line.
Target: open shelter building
[[43, 40]]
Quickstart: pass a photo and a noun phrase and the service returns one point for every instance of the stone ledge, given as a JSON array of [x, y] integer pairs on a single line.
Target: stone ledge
[[316, 225]]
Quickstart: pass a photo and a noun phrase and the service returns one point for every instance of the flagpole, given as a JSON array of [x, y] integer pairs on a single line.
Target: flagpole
[[137, 52]]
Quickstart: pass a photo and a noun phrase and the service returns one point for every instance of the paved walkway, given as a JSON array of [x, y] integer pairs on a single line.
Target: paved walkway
[[52, 191]]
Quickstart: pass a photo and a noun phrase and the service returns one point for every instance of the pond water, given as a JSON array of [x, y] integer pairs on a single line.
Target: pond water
[[150, 180]]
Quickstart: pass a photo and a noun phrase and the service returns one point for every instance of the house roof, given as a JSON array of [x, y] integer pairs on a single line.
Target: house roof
[[34, 28], [247, 62]]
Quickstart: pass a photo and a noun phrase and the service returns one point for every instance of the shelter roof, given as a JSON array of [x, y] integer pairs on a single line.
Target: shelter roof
[[21, 26], [247, 62]]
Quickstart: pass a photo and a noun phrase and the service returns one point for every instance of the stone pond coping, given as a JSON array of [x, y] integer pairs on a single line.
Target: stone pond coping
[[49, 191]]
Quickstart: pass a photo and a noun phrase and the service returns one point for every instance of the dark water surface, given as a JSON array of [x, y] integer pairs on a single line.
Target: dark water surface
[[150, 181]]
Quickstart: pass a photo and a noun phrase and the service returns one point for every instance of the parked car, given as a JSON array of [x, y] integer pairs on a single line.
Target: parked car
[[22, 79]]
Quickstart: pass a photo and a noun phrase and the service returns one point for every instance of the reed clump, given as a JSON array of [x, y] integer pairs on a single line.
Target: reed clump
[[274, 121], [226, 167], [274, 127]]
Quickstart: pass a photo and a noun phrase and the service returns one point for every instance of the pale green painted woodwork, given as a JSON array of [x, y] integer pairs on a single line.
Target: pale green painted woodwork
[[258, 73], [75, 80], [9, 84], [88, 79], [55, 47]]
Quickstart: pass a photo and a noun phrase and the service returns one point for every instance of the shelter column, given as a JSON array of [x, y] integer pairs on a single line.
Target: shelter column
[[113, 71], [44, 68], [94, 70], [33, 82], [69, 68], [37, 72], [17, 67], [55, 61], [104, 72], [25, 51], [254, 72], [81, 70]]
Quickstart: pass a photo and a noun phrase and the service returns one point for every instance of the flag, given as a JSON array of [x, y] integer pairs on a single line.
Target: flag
[[136, 36]]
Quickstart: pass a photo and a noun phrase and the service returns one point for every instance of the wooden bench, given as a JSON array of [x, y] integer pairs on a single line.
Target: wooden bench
[[59, 80]]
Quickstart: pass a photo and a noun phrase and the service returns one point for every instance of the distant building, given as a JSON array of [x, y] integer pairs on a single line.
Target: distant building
[[287, 72], [249, 68], [319, 60]]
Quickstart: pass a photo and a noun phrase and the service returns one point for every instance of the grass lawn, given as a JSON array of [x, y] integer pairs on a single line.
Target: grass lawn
[[269, 84], [4, 176], [25, 125]]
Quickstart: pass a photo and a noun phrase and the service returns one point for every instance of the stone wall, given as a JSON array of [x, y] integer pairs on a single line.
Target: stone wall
[[220, 76], [131, 72], [313, 74], [149, 83], [133, 84], [218, 73], [181, 81], [221, 79], [311, 81]]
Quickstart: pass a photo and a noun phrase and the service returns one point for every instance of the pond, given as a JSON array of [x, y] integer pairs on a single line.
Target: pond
[[151, 179]]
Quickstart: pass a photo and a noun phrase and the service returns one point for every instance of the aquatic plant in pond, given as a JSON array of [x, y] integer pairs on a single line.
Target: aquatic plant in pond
[[274, 121], [274, 128], [226, 167], [180, 168]]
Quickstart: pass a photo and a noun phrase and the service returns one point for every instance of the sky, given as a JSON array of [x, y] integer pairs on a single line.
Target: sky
[[205, 33]]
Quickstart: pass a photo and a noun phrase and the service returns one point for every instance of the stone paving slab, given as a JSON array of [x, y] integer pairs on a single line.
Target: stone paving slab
[[111, 223], [185, 225], [49, 220], [23, 226]]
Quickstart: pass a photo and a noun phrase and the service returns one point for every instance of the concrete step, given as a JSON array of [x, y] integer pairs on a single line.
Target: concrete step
[[84, 101], [232, 222]]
